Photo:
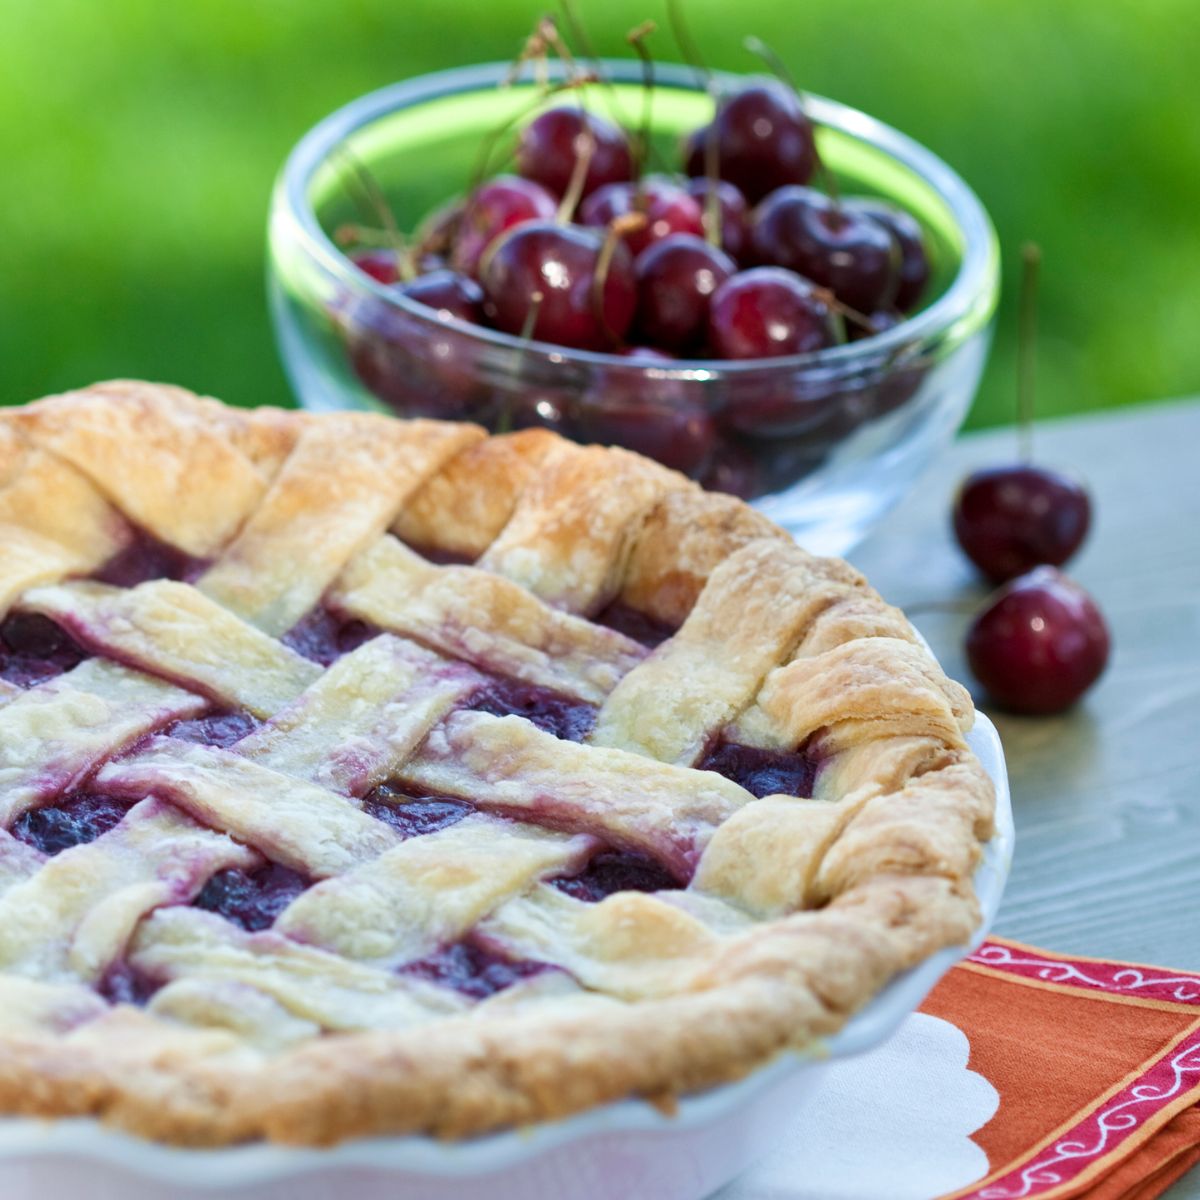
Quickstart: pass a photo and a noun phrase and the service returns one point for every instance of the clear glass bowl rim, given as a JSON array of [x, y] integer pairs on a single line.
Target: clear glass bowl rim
[[971, 296]]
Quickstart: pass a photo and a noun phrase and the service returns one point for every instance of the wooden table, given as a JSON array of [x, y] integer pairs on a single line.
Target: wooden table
[[1107, 797]]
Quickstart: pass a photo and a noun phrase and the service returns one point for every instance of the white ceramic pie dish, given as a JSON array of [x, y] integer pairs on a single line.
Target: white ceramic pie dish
[[622, 1151]]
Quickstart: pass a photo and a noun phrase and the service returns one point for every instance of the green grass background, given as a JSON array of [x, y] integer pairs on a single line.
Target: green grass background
[[139, 139]]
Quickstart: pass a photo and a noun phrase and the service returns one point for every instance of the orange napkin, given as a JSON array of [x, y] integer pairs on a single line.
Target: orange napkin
[[1097, 1065]]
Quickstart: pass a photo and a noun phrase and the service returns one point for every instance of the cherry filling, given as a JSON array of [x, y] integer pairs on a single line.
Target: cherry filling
[[411, 816], [441, 558], [219, 729], [563, 716], [76, 819], [636, 625], [33, 649], [324, 637], [147, 558], [616, 871], [123, 983], [252, 899], [763, 772], [472, 970]]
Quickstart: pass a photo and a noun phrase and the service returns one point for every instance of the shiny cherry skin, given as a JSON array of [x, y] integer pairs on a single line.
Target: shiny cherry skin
[[495, 206], [676, 280], [764, 141], [767, 312], [1011, 519], [1040, 643], [734, 213], [559, 263], [908, 235], [450, 293], [880, 322], [668, 209], [840, 249], [379, 264], [552, 142]]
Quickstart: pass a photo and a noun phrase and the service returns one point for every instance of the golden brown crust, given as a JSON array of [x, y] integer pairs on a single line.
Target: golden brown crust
[[461, 510], [683, 538], [799, 911]]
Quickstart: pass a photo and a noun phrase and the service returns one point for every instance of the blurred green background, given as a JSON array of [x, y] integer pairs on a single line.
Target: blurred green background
[[139, 140]]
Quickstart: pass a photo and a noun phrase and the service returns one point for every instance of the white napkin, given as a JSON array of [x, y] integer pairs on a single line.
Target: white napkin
[[892, 1124]]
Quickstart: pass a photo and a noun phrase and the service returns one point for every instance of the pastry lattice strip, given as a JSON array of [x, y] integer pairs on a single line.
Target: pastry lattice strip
[[776, 649]]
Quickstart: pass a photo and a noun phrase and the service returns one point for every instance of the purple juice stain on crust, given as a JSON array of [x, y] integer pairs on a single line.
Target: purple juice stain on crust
[[76, 819], [565, 717], [472, 970], [763, 772], [33, 649], [123, 983], [616, 871], [648, 630], [411, 816], [218, 729], [324, 637], [147, 558], [252, 899]]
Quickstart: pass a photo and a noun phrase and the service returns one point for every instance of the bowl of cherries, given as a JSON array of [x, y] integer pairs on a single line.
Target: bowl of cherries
[[773, 293]]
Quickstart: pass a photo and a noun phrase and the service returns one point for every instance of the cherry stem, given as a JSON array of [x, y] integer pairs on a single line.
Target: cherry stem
[[844, 312], [687, 46], [488, 145], [636, 38], [363, 235], [544, 38], [618, 228], [504, 417], [779, 69], [1031, 261], [704, 77], [580, 34], [583, 160], [530, 322], [376, 202]]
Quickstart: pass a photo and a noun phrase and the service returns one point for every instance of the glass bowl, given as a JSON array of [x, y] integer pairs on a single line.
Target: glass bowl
[[823, 443]]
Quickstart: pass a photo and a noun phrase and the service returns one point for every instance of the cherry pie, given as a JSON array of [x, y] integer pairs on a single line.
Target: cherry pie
[[361, 776]]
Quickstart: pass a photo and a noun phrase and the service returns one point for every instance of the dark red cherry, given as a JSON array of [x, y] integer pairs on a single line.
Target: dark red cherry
[[559, 264], [668, 209], [550, 144], [694, 144], [1040, 643], [1011, 519], [417, 365], [846, 251], [880, 322], [767, 312], [662, 418], [252, 899], [676, 279], [379, 264], [764, 141], [914, 257], [493, 207], [733, 209], [449, 293]]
